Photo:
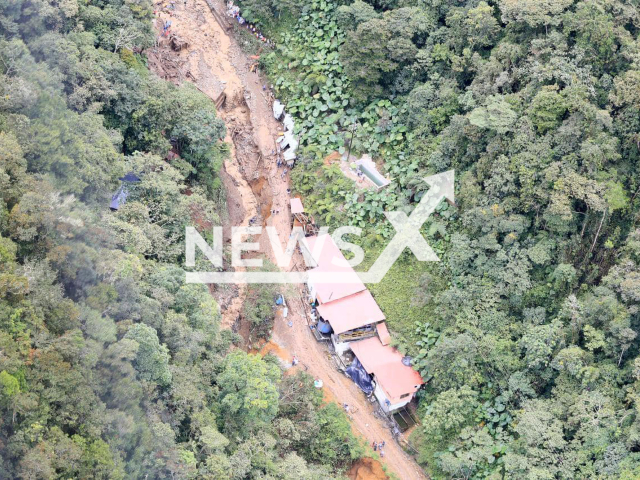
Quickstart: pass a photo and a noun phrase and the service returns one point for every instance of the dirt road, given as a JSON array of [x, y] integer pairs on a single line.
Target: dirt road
[[214, 62]]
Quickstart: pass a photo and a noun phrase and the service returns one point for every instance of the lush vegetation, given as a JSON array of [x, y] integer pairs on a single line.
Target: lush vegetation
[[527, 329], [110, 365]]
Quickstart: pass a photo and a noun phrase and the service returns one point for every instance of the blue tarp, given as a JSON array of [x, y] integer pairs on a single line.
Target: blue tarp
[[324, 327], [130, 177], [359, 375], [120, 197]]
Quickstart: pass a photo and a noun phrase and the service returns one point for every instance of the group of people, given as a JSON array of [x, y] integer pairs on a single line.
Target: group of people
[[166, 28], [169, 8], [257, 34], [280, 163], [378, 447], [234, 11]]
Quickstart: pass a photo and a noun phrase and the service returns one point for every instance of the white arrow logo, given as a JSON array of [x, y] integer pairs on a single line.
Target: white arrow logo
[[408, 228], [407, 236]]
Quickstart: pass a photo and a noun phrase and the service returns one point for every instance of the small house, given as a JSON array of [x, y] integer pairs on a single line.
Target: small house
[[395, 383], [358, 325], [342, 300]]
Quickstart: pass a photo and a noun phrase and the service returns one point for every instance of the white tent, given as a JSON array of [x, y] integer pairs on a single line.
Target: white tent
[[288, 141], [288, 122], [278, 110], [289, 155]]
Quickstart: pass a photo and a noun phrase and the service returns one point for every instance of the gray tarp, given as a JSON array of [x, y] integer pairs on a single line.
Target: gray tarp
[[119, 198]]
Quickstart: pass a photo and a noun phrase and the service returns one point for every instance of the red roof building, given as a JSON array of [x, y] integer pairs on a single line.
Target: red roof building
[[332, 278], [354, 311], [344, 301], [398, 381]]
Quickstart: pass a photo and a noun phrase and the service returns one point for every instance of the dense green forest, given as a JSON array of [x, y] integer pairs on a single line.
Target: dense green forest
[[527, 328], [110, 365]]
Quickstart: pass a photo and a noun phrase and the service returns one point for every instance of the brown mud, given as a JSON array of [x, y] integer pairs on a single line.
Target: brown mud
[[212, 60]]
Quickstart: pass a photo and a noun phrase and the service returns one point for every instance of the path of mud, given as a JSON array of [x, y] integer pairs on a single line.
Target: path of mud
[[215, 63]]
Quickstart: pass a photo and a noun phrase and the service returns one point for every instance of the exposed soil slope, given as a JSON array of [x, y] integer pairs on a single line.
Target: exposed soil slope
[[214, 62]]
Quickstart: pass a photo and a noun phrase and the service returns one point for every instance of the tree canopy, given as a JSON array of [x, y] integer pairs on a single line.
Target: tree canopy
[[111, 366]]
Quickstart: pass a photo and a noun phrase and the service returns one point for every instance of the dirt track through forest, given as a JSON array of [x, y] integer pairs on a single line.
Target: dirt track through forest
[[215, 63]]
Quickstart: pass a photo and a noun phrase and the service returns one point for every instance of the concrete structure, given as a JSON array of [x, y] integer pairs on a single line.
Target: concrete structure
[[366, 165]]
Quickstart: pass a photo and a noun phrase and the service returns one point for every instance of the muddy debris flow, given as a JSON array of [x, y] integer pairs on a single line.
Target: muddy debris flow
[[209, 57]]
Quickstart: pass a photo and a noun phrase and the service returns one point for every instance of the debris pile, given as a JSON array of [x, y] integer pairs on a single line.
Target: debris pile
[[287, 142], [177, 43]]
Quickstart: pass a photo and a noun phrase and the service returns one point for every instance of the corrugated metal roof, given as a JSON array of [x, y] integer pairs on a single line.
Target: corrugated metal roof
[[296, 205], [289, 155], [385, 363], [288, 141], [351, 312], [327, 254], [333, 284]]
